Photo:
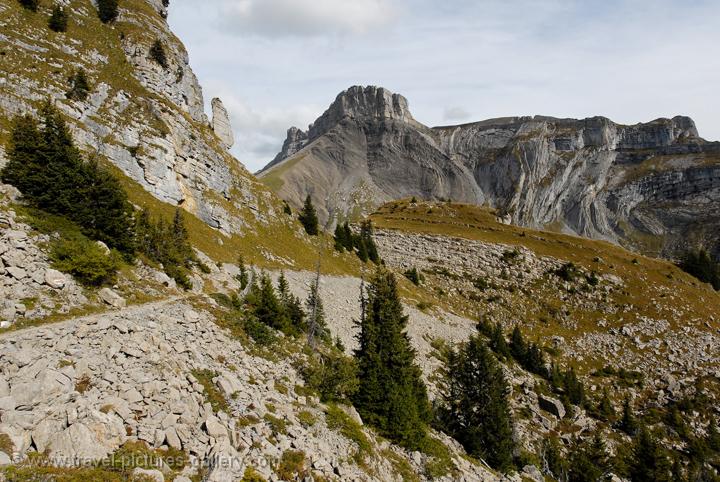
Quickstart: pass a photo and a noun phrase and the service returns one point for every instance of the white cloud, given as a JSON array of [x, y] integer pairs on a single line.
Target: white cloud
[[305, 18], [455, 114]]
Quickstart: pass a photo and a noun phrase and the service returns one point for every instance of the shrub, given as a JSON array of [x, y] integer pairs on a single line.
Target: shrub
[[337, 419], [58, 21], [107, 10], [414, 276], [259, 332], [292, 465], [211, 392], [79, 86], [252, 475], [157, 53], [85, 260], [31, 5], [332, 374]]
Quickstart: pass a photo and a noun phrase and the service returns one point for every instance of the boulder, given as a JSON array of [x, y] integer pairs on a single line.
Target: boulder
[[5, 459], [111, 298], [214, 428], [552, 406], [17, 273], [74, 445], [55, 279]]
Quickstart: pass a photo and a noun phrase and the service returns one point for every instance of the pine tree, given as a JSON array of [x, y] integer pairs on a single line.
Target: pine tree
[[392, 395], [157, 53], [44, 164], [31, 5], [649, 462], [362, 252], [713, 436], [628, 423], [107, 10], [266, 307], [366, 235], [242, 277], [348, 237], [314, 305], [181, 240], [498, 344], [58, 20], [476, 410], [605, 409], [338, 237], [308, 217], [589, 461], [414, 276], [534, 360], [518, 347], [287, 209], [79, 86]]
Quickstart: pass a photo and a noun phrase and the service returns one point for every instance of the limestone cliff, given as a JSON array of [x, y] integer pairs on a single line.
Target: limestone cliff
[[653, 186], [145, 118]]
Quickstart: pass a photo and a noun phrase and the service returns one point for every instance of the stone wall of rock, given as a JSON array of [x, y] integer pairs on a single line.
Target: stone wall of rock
[[146, 119], [651, 187], [221, 123]]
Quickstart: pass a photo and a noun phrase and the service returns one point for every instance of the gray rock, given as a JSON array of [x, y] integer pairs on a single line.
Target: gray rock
[[77, 442], [55, 279], [552, 406], [221, 123], [111, 298], [17, 273], [5, 459]]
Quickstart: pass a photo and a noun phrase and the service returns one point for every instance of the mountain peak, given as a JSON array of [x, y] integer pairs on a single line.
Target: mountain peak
[[363, 102]]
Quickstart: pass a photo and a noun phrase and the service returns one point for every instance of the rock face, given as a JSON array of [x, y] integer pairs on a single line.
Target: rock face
[[145, 119], [654, 186], [221, 123]]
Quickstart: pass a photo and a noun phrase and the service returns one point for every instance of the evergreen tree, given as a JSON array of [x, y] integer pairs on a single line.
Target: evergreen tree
[[315, 308], [628, 423], [157, 53], [518, 347], [498, 344], [589, 461], [392, 395], [181, 240], [31, 5], [713, 436], [308, 217], [605, 410], [573, 388], [414, 276], [362, 251], [44, 164], [79, 86], [107, 10], [475, 409], [649, 462], [292, 306], [243, 276], [347, 237], [287, 209], [366, 235], [338, 237], [701, 265], [266, 307], [535, 361], [58, 21]]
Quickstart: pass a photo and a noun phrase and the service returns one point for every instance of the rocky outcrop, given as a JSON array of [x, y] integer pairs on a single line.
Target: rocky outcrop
[[221, 123], [653, 187], [146, 119]]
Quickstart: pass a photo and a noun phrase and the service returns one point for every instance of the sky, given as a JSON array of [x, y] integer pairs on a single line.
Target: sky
[[281, 63]]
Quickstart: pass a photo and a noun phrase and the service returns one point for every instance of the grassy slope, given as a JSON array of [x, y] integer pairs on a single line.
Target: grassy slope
[[652, 286]]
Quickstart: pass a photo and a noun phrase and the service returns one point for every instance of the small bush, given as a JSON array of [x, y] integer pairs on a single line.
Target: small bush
[[58, 21], [79, 86], [31, 5], [333, 375], [85, 260], [252, 475], [107, 10], [212, 394], [414, 276], [260, 333], [277, 425], [157, 53], [292, 465], [307, 419], [702, 266]]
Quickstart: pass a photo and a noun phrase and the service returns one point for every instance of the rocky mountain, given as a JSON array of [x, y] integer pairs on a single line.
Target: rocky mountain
[[653, 187]]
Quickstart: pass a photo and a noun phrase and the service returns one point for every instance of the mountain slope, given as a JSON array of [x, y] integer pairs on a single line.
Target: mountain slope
[[653, 187]]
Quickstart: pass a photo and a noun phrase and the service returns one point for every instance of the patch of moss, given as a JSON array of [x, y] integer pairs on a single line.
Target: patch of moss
[[212, 395]]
